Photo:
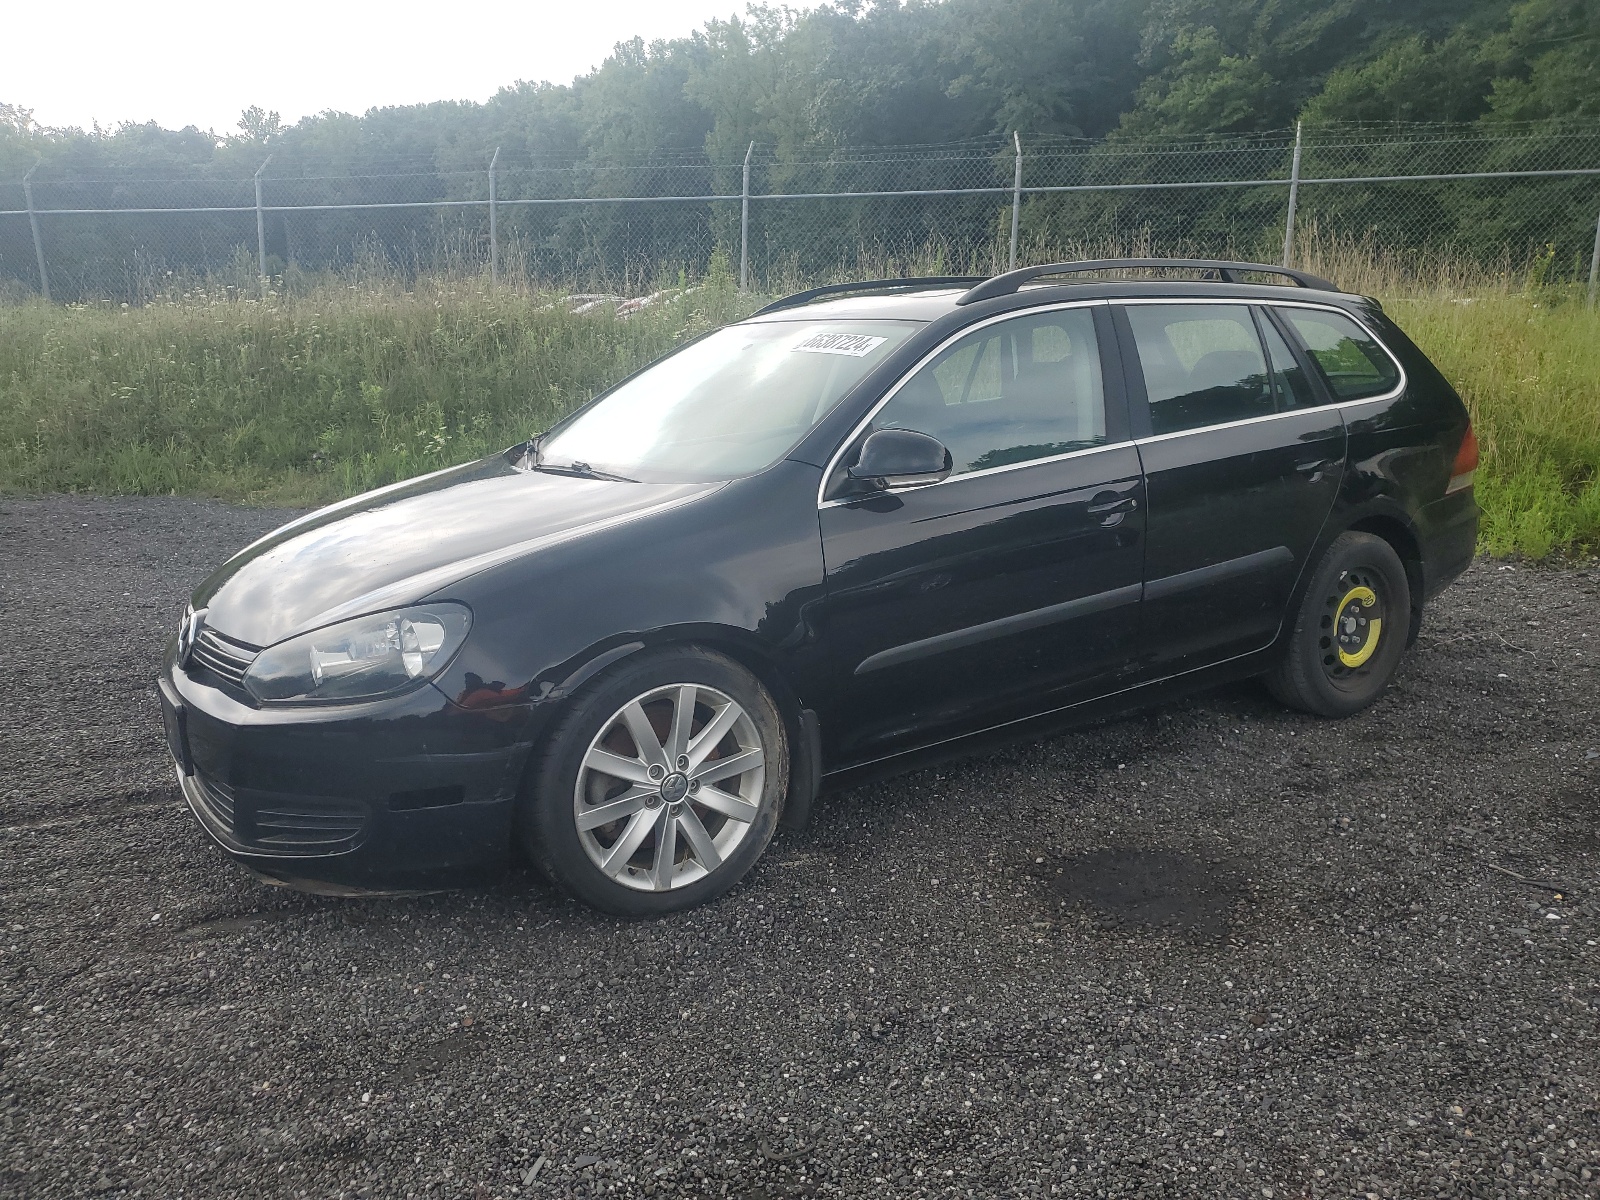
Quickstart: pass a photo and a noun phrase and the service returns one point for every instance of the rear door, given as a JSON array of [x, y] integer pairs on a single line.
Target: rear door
[[1242, 461], [1014, 582]]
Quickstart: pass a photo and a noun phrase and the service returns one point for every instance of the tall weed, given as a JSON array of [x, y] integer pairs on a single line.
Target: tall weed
[[303, 399], [334, 388], [1528, 366]]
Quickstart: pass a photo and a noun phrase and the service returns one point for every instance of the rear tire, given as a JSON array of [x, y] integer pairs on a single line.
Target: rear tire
[[1349, 632], [638, 810]]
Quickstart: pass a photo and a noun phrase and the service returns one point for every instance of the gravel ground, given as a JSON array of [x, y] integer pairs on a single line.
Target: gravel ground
[[1216, 950]]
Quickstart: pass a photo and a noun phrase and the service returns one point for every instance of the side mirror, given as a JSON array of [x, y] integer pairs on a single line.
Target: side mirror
[[900, 458]]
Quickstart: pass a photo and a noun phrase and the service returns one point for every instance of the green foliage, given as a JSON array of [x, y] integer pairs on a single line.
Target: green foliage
[[1537, 60], [1528, 366], [889, 73], [1136, 73], [1413, 80], [1253, 66], [1205, 90], [308, 399], [1550, 62], [260, 126]]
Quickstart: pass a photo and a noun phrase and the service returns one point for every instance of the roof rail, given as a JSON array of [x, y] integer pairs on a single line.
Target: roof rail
[[871, 285], [1005, 285]]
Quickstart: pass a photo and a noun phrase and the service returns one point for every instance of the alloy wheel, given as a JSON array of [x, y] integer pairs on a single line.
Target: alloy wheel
[[669, 787]]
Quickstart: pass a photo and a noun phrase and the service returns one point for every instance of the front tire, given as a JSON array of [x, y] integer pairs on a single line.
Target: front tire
[[661, 785], [1350, 630]]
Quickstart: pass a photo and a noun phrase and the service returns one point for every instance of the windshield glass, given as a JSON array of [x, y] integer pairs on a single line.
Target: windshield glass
[[727, 405]]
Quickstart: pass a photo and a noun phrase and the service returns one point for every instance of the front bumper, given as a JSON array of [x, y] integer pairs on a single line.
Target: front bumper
[[409, 793]]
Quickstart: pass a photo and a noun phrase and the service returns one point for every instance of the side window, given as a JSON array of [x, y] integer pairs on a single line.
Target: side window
[[971, 372], [1202, 364], [1290, 386], [1354, 365], [1011, 392]]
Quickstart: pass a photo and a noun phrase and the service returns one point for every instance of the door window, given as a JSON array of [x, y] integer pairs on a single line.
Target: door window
[[1289, 383], [1012, 392], [1354, 365], [1202, 364]]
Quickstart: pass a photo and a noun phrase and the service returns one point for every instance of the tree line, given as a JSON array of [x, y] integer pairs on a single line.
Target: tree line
[[852, 73], [1107, 86]]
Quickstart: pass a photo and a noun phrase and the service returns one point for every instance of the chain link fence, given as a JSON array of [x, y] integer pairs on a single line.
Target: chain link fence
[[1522, 201]]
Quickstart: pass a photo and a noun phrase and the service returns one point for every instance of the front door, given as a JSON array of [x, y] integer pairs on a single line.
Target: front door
[[1242, 460], [1012, 585]]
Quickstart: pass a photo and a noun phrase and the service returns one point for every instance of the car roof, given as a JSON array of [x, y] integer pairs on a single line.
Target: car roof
[[900, 306], [929, 299], [930, 305]]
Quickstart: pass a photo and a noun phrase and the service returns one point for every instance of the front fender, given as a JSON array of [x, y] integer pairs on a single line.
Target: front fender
[[739, 568]]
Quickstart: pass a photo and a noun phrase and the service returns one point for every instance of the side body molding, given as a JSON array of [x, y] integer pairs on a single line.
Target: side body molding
[[1233, 568], [974, 634]]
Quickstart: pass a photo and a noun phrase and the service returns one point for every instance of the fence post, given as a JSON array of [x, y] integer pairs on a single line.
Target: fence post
[[38, 242], [1594, 264], [494, 229], [1016, 199], [261, 228], [1294, 199], [744, 225]]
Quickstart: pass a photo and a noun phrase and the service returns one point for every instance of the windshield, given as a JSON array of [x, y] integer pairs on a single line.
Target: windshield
[[727, 405]]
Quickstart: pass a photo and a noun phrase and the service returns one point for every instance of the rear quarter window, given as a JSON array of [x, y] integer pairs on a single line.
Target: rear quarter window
[[1351, 361]]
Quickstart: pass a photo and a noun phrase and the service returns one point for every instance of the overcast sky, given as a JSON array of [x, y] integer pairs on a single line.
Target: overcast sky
[[188, 62]]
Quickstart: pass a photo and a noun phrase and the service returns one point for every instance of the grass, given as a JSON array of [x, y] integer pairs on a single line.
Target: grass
[[304, 398], [307, 399], [1528, 366]]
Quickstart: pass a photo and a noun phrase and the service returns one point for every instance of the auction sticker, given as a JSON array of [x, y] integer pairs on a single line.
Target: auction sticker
[[856, 345]]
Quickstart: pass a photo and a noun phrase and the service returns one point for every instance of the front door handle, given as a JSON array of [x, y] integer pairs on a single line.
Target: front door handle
[[1314, 468], [1111, 507]]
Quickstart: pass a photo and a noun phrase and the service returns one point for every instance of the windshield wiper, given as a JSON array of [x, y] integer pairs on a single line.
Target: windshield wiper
[[529, 458], [533, 460], [581, 470]]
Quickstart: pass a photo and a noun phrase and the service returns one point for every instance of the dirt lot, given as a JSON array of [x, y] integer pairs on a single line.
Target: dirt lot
[[1217, 950]]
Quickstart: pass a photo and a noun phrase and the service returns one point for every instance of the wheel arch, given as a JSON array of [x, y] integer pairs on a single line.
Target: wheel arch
[[802, 728], [800, 723], [1403, 541]]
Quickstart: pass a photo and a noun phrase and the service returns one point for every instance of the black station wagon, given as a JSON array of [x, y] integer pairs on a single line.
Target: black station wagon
[[870, 524]]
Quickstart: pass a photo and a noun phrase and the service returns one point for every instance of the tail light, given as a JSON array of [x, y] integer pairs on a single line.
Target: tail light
[[1465, 465]]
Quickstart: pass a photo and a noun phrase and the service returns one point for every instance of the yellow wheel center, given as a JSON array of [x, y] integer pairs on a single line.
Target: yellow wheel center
[[1356, 628]]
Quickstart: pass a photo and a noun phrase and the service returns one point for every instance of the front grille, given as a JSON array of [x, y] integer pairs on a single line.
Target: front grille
[[222, 656], [217, 799], [282, 826]]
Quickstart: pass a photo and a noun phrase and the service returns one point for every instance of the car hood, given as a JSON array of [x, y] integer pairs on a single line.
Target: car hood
[[404, 543]]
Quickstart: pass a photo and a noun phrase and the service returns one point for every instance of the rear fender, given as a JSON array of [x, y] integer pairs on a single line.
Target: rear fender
[[1382, 518]]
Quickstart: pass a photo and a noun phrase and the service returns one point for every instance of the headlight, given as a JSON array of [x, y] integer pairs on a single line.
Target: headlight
[[361, 659]]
